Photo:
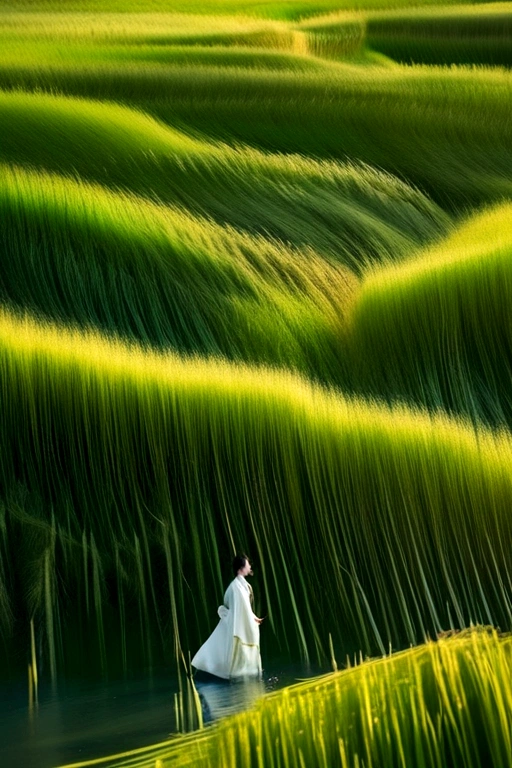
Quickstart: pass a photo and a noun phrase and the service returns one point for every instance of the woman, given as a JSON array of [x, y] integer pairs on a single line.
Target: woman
[[233, 649]]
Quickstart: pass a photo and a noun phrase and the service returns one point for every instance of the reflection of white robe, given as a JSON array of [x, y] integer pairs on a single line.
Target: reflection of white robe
[[233, 648], [219, 699]]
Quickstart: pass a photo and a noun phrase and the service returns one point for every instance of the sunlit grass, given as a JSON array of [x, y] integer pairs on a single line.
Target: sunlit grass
[[146, 28], [87, 255], [132, 467], [371, 215], [282, 9], [46, 39], [445, 131], [195, 55], [447, 703], [438, 329]]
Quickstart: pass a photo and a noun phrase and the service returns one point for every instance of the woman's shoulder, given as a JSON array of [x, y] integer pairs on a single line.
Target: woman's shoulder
[[236, 584], [232, 585]]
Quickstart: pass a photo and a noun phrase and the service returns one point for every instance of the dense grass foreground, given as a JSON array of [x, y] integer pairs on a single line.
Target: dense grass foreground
[[445, 704], [122, 470], [437, 329]]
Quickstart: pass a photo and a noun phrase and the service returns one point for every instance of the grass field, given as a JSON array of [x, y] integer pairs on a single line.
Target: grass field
[[288, 197], [464, 35], [453, 300], [254, 295], [164, 277], [285, 9], [345, 110]]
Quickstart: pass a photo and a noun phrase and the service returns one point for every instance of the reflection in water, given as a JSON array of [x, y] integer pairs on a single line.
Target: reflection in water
[[222, 698], [85, 720]]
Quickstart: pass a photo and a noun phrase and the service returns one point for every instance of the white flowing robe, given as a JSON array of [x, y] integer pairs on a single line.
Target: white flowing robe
[[233, 648]]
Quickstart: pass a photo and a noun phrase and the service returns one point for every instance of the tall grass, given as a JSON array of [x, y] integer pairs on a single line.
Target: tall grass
[[144, 28], [466, 35], [196, 55], [321, 205], [443, 130], [47, 38], [92, 257], [448, 34], [198, 212], [437, 330], [444, 704], [121, 470], [109, 36], [56, 38]]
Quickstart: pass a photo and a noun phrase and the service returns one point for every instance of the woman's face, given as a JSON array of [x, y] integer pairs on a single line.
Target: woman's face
[[246, 570]]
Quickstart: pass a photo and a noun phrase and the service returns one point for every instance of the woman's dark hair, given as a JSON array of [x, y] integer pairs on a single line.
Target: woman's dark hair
[[238, 562]]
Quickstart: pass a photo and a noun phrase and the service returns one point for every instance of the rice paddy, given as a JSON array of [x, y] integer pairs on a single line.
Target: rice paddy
[[254, 295]]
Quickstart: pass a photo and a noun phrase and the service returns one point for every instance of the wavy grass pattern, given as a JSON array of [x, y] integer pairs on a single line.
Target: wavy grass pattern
[[453, 124], [89, 256], [444, 147], [289, 198], [254, 286], [453, 300]]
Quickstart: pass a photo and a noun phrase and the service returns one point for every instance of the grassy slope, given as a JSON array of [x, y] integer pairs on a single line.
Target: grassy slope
[[130, 465], [456, 693], [446, 131], [290, 198], [437, 330], [96, 258], [464, 35]]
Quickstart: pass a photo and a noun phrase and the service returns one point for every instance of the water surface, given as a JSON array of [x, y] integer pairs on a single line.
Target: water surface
[[80, 720]]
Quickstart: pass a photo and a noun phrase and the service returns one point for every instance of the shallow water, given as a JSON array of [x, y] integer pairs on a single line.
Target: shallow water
[[80, 720]]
